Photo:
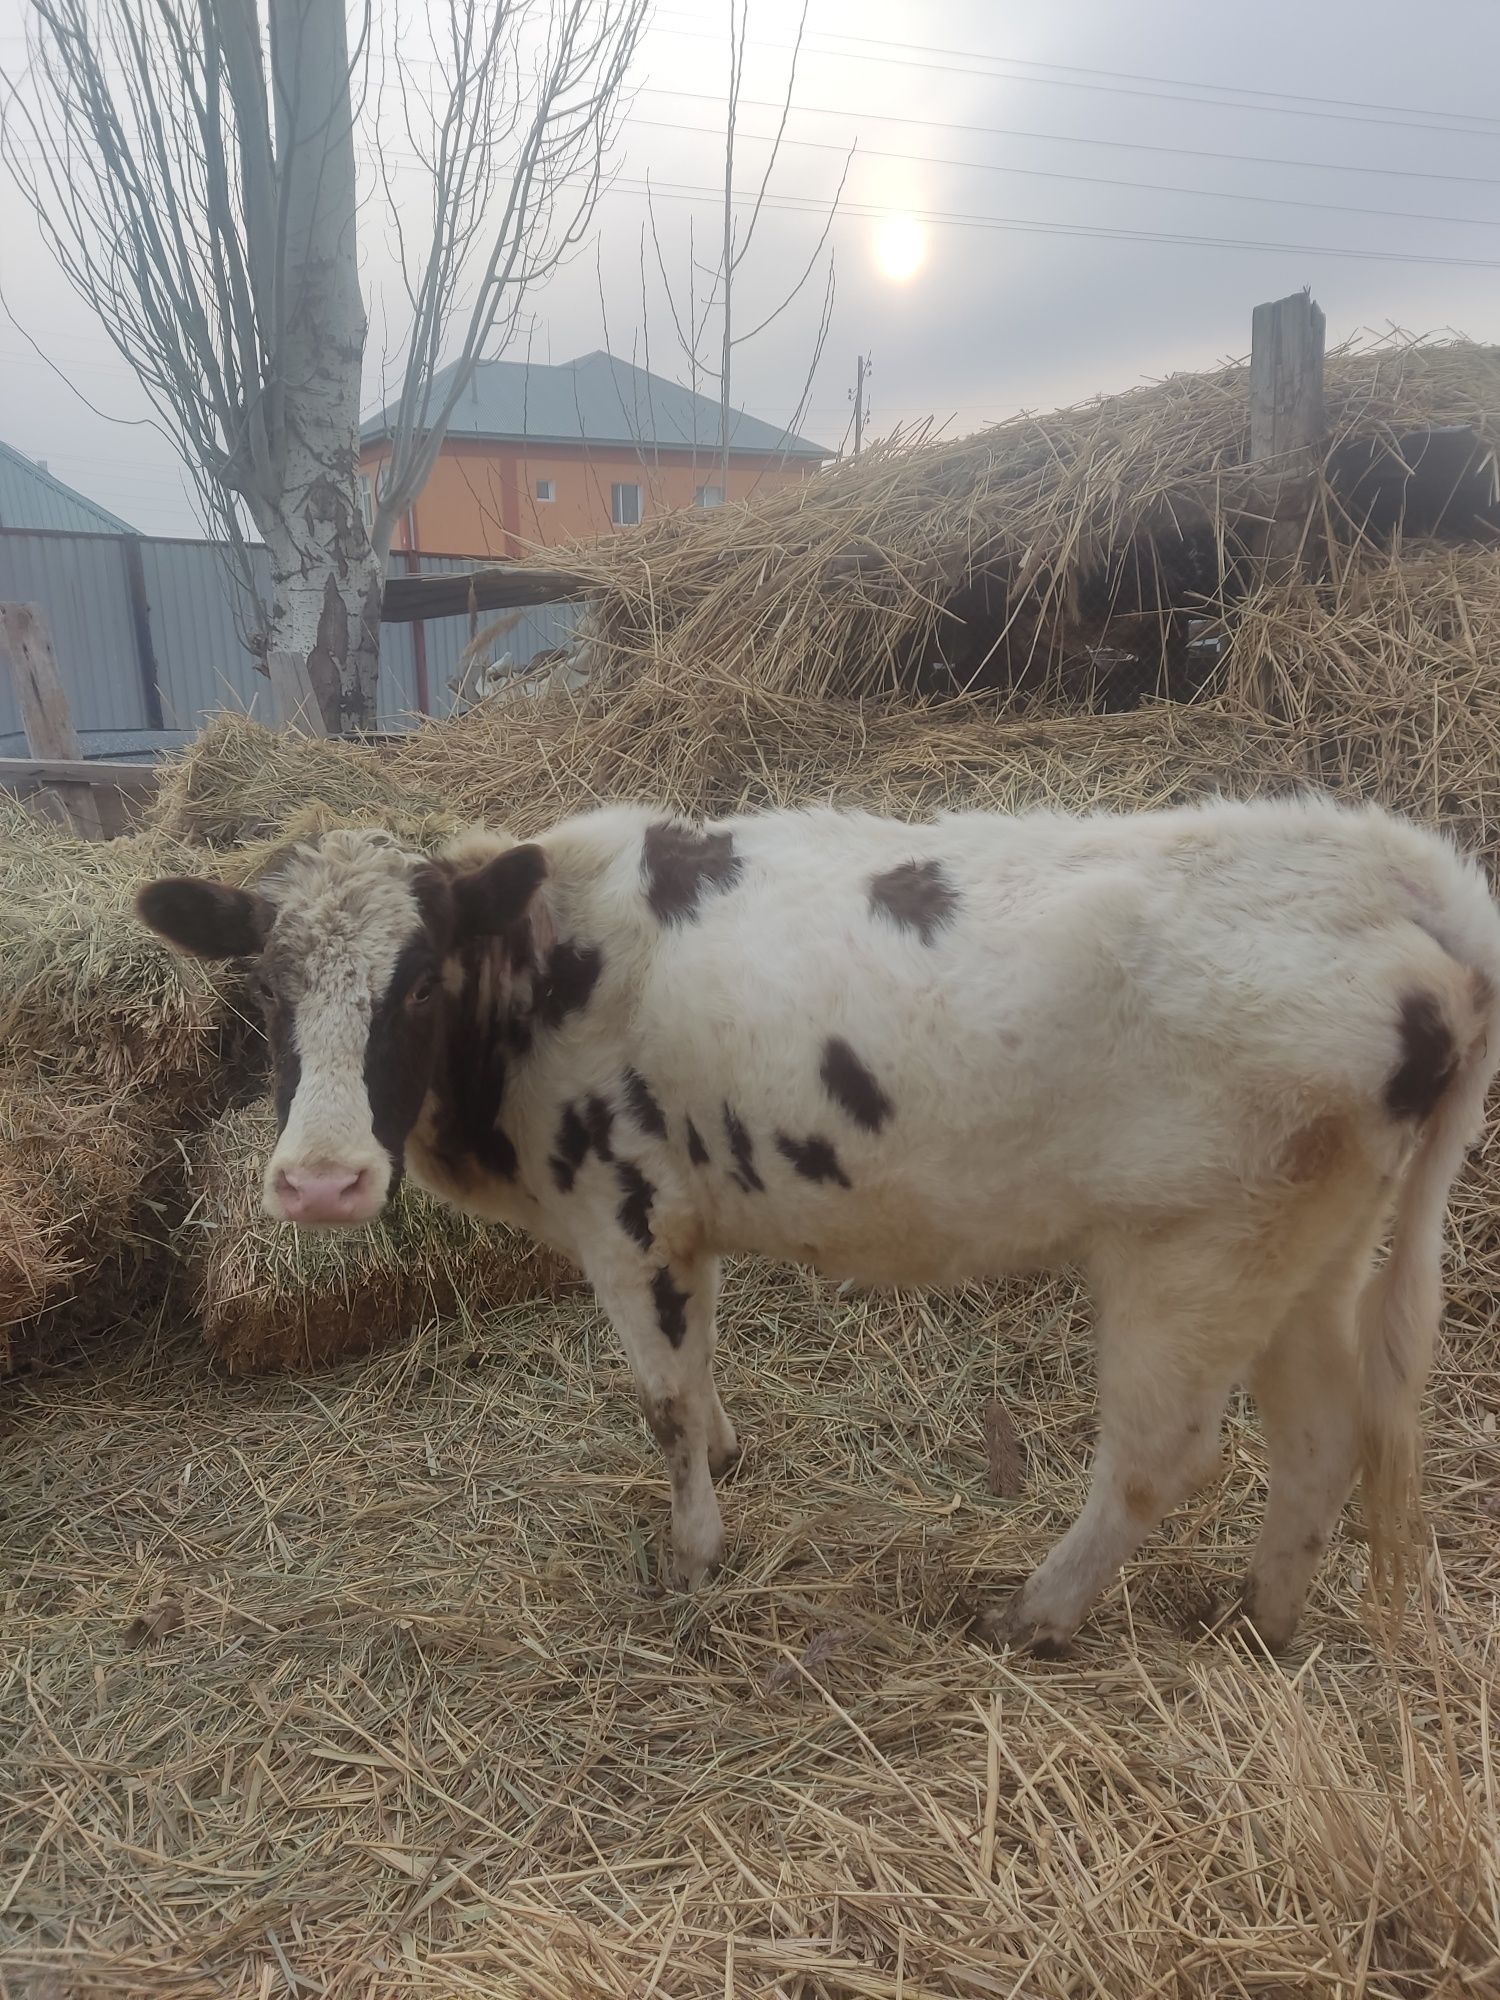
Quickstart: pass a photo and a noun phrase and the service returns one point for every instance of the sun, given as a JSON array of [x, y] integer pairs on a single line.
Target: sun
[[900, 247]]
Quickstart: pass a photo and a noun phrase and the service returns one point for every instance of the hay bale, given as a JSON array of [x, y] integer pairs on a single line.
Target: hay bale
[[272, 1297], [80, 1246], [720, 748], [86, 984], [1387, 678], [238, 783]]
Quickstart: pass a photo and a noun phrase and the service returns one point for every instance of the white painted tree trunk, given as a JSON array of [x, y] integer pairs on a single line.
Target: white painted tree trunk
[[327, 580]]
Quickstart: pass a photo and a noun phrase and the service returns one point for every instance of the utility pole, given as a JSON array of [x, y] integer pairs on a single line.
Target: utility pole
[[862, 368]]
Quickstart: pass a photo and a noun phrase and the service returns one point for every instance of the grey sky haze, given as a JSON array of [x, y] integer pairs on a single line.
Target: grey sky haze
[[1007, 131]]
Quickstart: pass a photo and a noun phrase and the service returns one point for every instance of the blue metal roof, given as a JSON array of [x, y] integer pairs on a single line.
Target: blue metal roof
[[596, 399], [31, 498]]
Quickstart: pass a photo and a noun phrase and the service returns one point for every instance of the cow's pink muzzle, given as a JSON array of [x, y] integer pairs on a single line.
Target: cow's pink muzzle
[[325, 1197]]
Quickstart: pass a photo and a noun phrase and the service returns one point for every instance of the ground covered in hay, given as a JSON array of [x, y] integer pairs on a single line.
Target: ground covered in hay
[[363, 1686]]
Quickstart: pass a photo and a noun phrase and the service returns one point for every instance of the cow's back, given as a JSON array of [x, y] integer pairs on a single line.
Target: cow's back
[[894, 1046]]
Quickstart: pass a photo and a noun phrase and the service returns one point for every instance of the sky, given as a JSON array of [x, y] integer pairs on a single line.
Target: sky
[[1044, 202]]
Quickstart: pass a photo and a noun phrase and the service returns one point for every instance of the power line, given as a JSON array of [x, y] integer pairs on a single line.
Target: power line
[[1089, 180], [1079, 139], [1029, 226], [1116, 89], [1133, 76]]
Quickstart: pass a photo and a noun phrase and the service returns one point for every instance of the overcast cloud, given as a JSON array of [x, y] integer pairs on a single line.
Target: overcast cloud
[[950, 122]]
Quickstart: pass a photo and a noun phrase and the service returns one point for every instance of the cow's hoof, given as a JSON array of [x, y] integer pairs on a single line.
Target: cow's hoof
[[1233, 1613], [724, 1460], [1010, 1626], [690, 1572], [1215, 1611]]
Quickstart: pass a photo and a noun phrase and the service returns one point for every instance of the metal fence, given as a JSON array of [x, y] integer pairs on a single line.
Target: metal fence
[[148, 638]]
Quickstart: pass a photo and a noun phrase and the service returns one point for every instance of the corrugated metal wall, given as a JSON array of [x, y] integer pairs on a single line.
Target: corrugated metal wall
[[201, 662], [82, 584]]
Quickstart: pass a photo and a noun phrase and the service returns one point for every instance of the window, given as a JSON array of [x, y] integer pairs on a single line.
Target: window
[[625, 505], [545, 490], [709, 496], [367, 500]]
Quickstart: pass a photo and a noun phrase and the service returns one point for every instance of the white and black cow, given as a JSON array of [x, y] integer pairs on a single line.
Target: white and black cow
[[1207, 1055]]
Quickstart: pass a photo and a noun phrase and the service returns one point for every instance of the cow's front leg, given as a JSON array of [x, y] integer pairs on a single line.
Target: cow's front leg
[[663, 1312]]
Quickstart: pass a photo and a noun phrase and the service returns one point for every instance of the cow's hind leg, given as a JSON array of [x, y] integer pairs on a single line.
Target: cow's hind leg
[[1177, 1329], [664, 1314], [1306, 1387]]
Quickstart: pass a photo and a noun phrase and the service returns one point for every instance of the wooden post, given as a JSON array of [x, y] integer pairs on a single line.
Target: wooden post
[[1286, 418], [26, 642]]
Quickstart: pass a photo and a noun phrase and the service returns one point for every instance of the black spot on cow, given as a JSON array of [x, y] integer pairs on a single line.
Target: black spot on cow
[[742, 1152], [472, 1077], [813, 1158], [697, 1151], [401, 1049], [600, 1120], [852, 1087], [916, 896], [644, 1108], [568, 982], [679, 864], [1429, 1059], [663, 1421], [671, 1306], [636, 1197], [572, 1147]]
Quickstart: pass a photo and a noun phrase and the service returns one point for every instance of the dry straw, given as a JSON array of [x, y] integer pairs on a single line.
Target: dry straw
[[270, 1297], [366, 1687], [853, 582], [83, 979], [79, 1164]]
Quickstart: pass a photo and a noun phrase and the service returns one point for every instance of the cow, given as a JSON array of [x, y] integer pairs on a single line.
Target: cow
[[1210, 1057]]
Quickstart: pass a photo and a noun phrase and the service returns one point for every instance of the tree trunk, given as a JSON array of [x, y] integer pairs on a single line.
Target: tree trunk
[[327, 579], [325, 614]]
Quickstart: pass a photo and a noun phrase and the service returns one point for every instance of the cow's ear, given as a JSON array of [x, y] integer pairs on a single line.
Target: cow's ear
[[488, 900], [207, 919]]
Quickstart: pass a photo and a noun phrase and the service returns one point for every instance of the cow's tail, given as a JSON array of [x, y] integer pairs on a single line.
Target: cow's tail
[[1401, 1308]]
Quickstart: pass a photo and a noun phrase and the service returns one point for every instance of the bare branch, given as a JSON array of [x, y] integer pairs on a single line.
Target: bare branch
[[517, 164]]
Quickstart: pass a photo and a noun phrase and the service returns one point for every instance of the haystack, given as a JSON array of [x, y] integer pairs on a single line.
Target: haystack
[[85, 983], [1013, 558], [240, 783], [80, 1244], [269, 1297]]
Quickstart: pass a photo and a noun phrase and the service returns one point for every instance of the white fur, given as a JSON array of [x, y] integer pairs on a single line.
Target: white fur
[[344, 911]]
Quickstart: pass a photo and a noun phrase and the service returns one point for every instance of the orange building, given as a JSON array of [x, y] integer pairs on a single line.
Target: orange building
[[537, 455]]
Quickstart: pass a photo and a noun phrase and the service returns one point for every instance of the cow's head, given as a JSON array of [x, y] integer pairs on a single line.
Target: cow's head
[[350, 941]]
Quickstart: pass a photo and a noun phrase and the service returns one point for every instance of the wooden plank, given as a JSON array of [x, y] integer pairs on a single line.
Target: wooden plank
[[39, 690], [1286, 376], [45, 716], [28, 774], [497, 587], [1286, 417]]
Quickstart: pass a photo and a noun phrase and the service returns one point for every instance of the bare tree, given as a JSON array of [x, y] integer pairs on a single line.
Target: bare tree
[[192, 165], [710, 290]]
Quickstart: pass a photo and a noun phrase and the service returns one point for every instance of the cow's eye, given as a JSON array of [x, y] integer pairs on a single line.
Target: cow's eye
[[263, 990], [421, 990]]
